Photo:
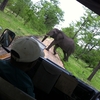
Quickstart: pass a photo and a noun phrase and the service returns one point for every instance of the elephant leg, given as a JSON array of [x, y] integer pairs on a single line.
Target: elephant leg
[[65, 56], [52, 43], [54, 50]]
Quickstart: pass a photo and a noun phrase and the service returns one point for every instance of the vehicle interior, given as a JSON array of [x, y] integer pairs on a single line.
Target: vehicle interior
[[53, 82], [50, 80], [9, 92]]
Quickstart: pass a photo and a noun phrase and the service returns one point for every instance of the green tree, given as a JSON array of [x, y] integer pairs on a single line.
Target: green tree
[[88, 37], [19, 6], [41, 16], [69, 31], [49, 13]]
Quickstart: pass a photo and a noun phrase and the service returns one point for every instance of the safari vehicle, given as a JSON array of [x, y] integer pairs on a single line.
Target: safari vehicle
[[51, 81]]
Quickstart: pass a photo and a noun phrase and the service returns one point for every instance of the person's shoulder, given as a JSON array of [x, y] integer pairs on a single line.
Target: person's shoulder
[[4, 64], [2, 61], [23, 76]]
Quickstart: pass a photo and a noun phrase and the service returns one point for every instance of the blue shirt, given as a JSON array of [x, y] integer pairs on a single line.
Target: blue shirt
[[16, 77]]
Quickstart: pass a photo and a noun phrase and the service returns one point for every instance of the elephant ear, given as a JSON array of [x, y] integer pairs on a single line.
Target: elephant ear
[[55, 30], [60, 35]]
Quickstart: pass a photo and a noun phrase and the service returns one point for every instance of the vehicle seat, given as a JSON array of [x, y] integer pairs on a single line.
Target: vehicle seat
[[46, 76], [10, 92]]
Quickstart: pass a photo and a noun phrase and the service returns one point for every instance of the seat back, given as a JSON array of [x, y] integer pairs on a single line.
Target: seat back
[[10, 92], [46, 76]]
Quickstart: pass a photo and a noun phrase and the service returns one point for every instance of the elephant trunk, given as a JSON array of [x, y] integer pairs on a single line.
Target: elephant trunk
[[44, 37]]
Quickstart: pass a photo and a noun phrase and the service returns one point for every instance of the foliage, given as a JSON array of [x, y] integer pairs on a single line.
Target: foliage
[[41, 16], [69, 31], [9, 21], [49, 13], [1, 1], [87, 34]]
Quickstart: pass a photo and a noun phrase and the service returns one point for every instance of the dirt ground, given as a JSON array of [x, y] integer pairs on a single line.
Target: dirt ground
[[48, 54]]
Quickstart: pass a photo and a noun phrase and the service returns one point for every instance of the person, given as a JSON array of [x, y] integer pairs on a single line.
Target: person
[[25, 52]]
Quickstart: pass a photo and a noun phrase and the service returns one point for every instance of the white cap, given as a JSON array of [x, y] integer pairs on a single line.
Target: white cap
[[27, 49]]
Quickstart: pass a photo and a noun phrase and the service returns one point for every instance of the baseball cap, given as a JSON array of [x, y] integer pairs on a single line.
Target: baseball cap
[[27, 49]]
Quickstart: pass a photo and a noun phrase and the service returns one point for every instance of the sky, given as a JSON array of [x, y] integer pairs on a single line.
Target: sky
[[73, 10]]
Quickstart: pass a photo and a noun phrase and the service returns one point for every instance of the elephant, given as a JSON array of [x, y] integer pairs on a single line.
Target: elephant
[[60, 40]]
